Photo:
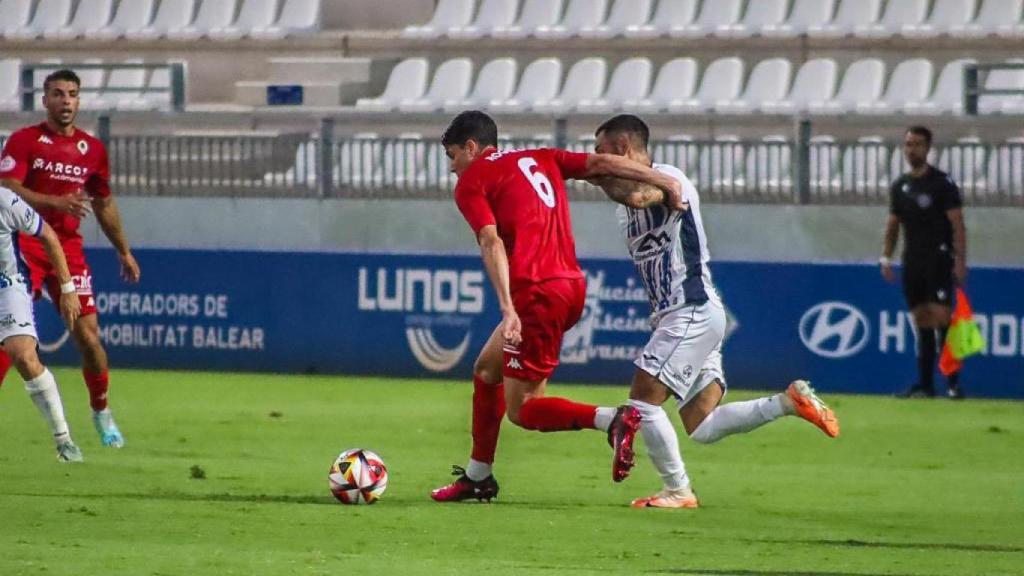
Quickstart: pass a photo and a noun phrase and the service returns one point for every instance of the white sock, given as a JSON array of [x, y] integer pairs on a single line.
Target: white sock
[[737, 417], [603, 418], [477, 470], [662, 444], [45, 395]]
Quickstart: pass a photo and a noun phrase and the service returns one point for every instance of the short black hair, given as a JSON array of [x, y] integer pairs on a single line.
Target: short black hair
[[63, 74], [626, 124], [471, 125], [921, 131]]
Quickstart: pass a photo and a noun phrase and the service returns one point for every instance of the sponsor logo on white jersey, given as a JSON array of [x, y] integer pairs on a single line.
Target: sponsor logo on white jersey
[[7, 163]]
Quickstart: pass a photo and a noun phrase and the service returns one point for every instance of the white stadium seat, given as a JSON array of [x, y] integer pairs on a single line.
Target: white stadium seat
[[850, 15], [862, 82], [713, 15], [1003, 80], [297, 17], [130, 16], [899, 16], [14, 15], [92, 79], [1012, 28], [722, 81], [540, 83], [585, 81], [760, 13], [50, 16], [668, 16], [769, 82], [992, 15], [805, 15], [815, 82], [90, 16], [212, 15], [133, 78], [169, 16], [10, 75], [254, 16], [448, 14], [946, 15], [535, 13], [495, 81], [676, 83], [630, 82], [493, 14], [408, 81], [156, 95], [624, 13], [579, 14], [911, 82], [450, 84], [947, 97]]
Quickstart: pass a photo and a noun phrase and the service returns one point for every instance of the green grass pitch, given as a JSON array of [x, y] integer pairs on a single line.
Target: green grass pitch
[[910, 488]]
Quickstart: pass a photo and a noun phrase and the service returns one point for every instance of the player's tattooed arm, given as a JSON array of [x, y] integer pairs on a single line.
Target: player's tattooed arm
[[621, 167], [628, 192]]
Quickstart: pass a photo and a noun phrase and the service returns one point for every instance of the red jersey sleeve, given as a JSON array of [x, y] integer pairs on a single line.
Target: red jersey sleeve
[[572, 164], [98, 185], [472, 202], [14, 160]]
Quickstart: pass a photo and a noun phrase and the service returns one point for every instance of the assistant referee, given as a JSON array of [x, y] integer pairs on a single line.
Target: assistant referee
[[927, 204]]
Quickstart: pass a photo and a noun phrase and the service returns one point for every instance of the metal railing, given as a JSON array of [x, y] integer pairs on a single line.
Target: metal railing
[[173, 92]]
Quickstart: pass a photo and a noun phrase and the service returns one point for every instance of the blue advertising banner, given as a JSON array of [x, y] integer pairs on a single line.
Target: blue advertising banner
[[840, 326]]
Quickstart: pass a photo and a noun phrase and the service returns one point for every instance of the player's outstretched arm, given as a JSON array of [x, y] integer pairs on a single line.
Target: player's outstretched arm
[[76, 204], [109, 218], [628, 192], [70, 306], [492, 250], [622, 167]]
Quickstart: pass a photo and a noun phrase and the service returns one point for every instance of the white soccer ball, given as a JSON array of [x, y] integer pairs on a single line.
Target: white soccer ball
[[358, 477]]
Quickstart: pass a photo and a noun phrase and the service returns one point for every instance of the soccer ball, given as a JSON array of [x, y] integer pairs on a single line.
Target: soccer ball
[[358, 477]]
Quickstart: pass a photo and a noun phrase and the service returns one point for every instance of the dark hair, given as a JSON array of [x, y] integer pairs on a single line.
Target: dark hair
[[626, 124], [471, 125], [64, 74], [921, 131]]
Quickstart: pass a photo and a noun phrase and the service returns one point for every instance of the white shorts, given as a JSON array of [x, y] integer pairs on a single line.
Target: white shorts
[[16, 316], [685, 350]]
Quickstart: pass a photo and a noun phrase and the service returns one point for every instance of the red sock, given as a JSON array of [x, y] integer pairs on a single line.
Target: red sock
[[5, 365], [488, 410], [98, 385], [556, 414]]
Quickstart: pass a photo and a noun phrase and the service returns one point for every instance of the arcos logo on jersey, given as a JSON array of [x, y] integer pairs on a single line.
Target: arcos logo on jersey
[[834, 330]]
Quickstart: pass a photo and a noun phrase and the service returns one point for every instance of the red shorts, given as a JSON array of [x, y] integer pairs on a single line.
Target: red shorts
[[42, 274], [547, 310]]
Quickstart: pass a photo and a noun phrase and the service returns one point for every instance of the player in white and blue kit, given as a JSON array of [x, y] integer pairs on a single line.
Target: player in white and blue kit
[[684, 355], [17, 324]]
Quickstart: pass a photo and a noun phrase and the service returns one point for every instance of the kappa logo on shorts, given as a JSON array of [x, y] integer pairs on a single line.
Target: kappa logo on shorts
[[514, 364]]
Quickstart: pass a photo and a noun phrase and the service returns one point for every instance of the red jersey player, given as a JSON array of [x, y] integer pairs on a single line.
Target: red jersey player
[[63, 173], [515, 202]]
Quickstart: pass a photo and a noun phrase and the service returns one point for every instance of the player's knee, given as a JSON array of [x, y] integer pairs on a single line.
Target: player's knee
[[700, 433], [486, 372], [88, 339], [25, 360]]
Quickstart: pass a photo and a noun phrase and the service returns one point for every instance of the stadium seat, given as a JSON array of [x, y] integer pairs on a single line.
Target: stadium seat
[[90, 16], [713, 15], [10, 74], [721, 82], [630, 81], [492, 14], [157, 94], [1012, 28], [448, 14], [14, 15], [254, 16], [911, 82], [676, 83], [494, 82], [540, 83], [1003, 80], [862, 82], [947, 97], [769, 82], [992, 16], [624, 13], [805, 14], [815, 82], [297, 17], [899, 16], [121, 78], [212, 15], [535, 13], [946, 14], [169, 16], [50, 16], [669, 15], [760, 13], [130, 16], [93, 79], [850, 15], [408, 81], [450, 84], [579, 14], [585, 81]]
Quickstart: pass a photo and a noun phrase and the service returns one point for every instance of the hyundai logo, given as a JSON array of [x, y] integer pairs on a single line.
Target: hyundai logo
[[834, 330]]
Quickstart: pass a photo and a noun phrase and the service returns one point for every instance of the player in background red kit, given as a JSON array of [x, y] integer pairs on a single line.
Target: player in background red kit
[[515, 202], [63, 173]]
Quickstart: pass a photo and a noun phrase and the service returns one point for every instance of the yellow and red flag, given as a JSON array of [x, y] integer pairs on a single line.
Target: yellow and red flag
[[963, 339]]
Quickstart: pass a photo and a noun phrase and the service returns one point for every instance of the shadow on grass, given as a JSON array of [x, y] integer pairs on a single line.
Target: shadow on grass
[[894, 545], [221, 497], [685, 571]]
